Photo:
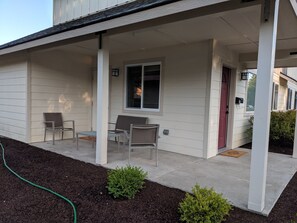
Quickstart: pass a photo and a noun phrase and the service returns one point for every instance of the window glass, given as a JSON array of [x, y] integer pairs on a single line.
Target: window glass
[[251, 92], [134, 88], [143, 86], [295, 100], [275, 97], [289, 99], [151, 86]]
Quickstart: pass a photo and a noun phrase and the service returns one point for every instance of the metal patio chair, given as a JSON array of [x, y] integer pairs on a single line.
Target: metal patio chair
[[144, 137], [122, 127], [54, 122]]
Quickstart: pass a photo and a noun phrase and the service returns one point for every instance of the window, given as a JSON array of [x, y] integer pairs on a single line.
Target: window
[[289, 99], [143, 86], [274, 103], [251, 91], [295, 101]]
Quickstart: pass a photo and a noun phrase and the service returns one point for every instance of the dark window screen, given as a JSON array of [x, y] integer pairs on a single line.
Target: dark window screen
[[134, 88], [151, 86]]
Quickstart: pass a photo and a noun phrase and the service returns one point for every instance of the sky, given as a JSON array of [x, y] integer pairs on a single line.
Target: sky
[[19, 18]]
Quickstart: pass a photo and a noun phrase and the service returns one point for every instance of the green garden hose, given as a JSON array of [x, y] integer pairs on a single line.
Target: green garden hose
[[38, 186]]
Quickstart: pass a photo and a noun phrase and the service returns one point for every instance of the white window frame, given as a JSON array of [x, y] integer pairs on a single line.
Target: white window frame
[[289, 99], [295, 100], [273, 96], [142, 74], [248, 113]]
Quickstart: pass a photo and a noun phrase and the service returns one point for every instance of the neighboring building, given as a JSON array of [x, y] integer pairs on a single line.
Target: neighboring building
[[284, 90], [179, 63]]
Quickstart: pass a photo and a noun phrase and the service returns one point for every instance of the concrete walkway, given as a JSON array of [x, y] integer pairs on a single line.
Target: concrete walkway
[[227, 175]]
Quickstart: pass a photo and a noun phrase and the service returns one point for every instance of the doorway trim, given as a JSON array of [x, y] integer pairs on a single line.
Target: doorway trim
[[224, 112], [230, 123], [232, 92]]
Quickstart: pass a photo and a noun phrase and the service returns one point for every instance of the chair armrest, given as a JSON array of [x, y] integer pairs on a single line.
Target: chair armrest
[[70, 121], [127, 134], [111, 123]]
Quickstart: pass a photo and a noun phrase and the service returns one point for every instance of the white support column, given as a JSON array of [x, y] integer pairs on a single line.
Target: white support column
[[266, 59], [295, 140], [102, 100]]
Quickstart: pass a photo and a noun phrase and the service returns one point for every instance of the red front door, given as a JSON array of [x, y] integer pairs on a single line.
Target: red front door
[[224, 107]]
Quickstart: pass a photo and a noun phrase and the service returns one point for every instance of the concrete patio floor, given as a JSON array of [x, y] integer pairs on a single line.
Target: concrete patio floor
[[227, 175]]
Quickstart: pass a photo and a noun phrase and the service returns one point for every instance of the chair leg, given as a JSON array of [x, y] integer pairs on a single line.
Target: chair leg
[[76, 141], [73, 135], [157, 156], [129, 155], [53, 137], [44, 135], [62, 134], [118, 140], [123, 151]]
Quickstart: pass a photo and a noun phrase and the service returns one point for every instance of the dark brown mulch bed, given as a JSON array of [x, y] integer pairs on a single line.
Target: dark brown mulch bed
[[85, 184], [287, 150]]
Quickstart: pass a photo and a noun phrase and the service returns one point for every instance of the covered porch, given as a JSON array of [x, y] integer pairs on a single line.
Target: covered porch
[[227, 175], [191, 58], [192, 48]]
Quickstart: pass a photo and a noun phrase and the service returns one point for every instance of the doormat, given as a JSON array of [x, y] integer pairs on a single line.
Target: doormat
[[233, 153]]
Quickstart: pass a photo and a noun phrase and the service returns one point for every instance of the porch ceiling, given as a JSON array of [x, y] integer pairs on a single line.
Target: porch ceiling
[[236, 29]]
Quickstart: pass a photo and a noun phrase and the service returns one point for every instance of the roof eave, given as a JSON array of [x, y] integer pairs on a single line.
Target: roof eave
[[130, 17]]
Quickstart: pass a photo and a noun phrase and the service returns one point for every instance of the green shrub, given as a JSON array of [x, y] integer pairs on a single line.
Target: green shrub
[[205, 206], [125, 182], [249, 131], [282, 127]]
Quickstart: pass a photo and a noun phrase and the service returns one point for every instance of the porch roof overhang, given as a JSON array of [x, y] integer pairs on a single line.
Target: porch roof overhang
[[141, 13], [286, 43], [115, 12], [233, 23], [283, 58]]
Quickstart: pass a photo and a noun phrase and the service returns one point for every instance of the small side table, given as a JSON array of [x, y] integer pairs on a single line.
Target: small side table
[[86, 133]]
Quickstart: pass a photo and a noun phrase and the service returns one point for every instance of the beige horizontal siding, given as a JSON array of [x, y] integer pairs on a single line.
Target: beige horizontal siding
[[183, 95], [197, 152], [60, 82], [67, 10], [13, 97], [241, 117]]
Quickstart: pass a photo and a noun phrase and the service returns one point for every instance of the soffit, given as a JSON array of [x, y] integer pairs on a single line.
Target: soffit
[[237, 29]]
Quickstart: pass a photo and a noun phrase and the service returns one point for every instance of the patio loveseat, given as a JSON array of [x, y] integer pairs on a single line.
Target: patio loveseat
[[122, 127]]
